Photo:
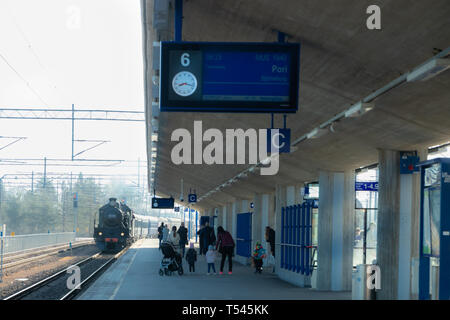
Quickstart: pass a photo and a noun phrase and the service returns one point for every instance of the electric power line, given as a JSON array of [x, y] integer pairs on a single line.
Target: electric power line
[[23, 79], [31, 48]]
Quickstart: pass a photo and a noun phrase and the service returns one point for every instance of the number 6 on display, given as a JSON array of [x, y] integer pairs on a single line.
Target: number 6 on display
[[185, 61]]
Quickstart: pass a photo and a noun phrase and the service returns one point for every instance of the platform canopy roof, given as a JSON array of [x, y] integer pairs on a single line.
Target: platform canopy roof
[[342, 62]]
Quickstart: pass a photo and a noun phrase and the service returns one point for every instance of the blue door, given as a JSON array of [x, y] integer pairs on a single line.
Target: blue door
[[244, 234], [203, 220]]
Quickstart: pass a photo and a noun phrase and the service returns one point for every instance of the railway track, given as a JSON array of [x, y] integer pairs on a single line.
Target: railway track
[[55, 286]]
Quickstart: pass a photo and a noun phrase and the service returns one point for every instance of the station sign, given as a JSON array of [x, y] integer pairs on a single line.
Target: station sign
[[316, 203], [229, 77], [279, 140], [192, 198], [408, 162], [163, 203], [366, 186]]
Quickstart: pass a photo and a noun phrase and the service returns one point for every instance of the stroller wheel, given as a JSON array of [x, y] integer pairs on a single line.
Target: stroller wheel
[[180, 271], [161, 272]]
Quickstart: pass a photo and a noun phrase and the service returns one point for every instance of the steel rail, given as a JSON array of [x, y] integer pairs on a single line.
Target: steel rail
[[74, 292], [22, 293]]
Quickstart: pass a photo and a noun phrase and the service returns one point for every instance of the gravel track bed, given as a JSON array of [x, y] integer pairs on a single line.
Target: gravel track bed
[[19, 277], [56, 289]]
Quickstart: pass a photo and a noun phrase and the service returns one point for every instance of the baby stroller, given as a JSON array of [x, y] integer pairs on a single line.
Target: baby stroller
[[171, 261]]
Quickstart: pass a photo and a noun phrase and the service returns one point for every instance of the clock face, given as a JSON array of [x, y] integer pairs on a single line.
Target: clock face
[[184, 83]]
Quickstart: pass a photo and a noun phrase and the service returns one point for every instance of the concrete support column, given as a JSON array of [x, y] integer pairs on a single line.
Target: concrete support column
[[280, 202], [217, 212], [264, 219], [335, 230], [235, 209], [210, 212], [229, 222], [388, 223], [223, 222], [257, 235], [290, 195], [409, 231], [272, 211], [245, 206]]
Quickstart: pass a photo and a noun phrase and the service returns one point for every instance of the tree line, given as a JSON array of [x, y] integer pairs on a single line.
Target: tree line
[[49, 207]]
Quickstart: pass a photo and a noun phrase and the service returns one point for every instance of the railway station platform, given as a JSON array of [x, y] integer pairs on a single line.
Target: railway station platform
[[134, 276]]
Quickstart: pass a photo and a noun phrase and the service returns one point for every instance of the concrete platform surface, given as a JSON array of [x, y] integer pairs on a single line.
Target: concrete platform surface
[[135, 277]]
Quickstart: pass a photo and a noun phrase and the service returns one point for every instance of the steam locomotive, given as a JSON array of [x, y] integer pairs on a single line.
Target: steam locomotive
[[119, 226], [115, 226]]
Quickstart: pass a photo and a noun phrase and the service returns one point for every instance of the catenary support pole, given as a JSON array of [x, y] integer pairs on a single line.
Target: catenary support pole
[[45, 171], [73, 127]]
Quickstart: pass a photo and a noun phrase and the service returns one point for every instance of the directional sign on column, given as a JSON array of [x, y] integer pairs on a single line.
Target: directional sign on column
[[366, 186]]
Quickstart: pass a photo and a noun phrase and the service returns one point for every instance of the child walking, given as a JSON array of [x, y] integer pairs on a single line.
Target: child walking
[[210, 258], [258, 255], [191, 257]]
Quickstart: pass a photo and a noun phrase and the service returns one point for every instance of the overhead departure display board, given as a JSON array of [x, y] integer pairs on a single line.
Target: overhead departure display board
[[163, 203], [229, 77]]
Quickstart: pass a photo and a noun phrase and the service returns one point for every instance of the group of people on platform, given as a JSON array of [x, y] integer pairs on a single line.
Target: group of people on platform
[[210, 245], [178, 238]]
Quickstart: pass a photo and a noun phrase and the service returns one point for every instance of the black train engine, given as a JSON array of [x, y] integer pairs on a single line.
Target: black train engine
[[113, 232]]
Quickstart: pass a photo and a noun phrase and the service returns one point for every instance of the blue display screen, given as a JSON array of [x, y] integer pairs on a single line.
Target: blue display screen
[[229, 77], [241, 76]]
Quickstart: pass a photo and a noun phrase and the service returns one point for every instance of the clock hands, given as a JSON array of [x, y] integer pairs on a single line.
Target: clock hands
[[184, 83]]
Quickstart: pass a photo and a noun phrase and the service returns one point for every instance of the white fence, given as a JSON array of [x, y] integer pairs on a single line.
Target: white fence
[[32, 241]]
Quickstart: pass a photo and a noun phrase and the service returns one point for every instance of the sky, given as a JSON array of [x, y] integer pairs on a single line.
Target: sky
[[55, 53]]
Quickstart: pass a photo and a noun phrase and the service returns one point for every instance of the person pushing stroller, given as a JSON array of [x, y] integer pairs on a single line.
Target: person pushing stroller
[[171, 260]]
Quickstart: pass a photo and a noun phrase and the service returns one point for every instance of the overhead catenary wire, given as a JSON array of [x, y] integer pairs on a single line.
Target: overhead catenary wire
[[23, 79], [31, 49]]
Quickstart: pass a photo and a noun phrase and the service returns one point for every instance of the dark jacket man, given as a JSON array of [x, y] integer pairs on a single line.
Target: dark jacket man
[[160, 230], [207, 237], [270, 238], [183, 232]]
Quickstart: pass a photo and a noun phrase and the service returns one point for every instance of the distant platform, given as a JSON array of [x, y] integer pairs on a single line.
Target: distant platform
[[135, 277]]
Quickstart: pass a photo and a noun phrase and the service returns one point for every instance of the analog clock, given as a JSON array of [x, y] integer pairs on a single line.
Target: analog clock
[[184, 83]]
